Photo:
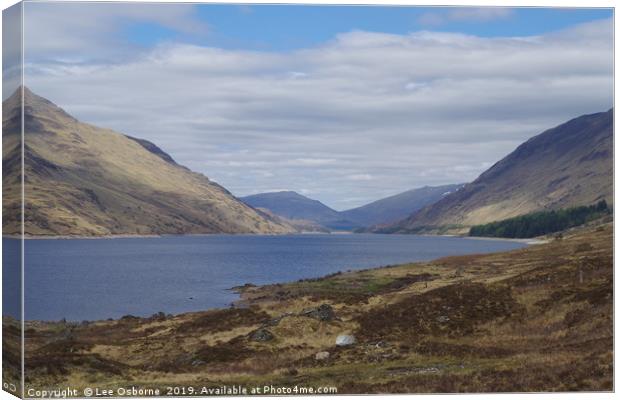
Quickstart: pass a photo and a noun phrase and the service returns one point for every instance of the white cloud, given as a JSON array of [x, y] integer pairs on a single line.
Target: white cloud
[[414, 85], [297, 75], [77, 32], [314, 162], [360, 177], [425, 108], [11, 50]]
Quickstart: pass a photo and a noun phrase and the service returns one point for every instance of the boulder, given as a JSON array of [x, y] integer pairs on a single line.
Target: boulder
[[345, 340], [261, 335], [324, 312], [321, 355]]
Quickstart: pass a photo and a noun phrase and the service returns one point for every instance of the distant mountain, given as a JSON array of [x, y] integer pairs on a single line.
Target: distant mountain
[[300, 225], [397, 207], [569, 165], [89, 181], [294, 206]]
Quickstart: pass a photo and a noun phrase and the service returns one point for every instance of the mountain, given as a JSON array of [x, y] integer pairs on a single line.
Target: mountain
[[397, 207], [297, 209], [89, 181], [566, 166], [294, 206], [300, 225]]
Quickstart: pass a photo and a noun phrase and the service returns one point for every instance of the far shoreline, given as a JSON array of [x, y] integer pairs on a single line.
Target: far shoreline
[[59, 237], [528, 241]]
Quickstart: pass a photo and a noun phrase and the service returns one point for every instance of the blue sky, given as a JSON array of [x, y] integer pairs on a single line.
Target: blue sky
[[282, 28], [343, 104]]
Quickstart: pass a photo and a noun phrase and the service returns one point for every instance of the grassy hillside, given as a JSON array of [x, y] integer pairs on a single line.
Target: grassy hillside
[[566, 166], [535, 319], [85, 180]]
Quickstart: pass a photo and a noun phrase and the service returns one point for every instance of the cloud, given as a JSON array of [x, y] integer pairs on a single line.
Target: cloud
[[297, 75], [76, 32], [468, 14], [425, 108], [11, 49], [360, 177]]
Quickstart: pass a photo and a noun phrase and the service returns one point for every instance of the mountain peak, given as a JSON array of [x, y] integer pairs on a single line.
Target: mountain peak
[[565, 166], [33, 105], [292, 205], [290, 193], [280, 194], [102, 182], [29, 96]]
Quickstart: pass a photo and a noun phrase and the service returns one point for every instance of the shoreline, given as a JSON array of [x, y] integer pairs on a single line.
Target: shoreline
[[455, 319], [528, 241], [248, 287], [130, 236], [245, 287], [59, 237]]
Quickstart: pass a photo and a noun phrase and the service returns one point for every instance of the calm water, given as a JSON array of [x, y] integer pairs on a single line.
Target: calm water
[[81, 279]]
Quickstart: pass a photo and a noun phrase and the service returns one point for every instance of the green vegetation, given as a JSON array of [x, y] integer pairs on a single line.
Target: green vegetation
[[541, 223]]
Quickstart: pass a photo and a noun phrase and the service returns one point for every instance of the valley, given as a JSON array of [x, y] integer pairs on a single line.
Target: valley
[[531, 319], [85, 181]]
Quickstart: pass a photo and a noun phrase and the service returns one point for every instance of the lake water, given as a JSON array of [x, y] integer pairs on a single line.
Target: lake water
[[82, 279]]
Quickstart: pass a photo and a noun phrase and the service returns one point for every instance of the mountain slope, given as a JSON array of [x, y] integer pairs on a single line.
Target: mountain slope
[[566, 166], [85, 180], [300, 225], [294, 206], [397, 207]]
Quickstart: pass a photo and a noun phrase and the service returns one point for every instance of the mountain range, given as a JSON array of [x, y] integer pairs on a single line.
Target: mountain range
[[296, 207], [89, 181], [82, 180], [399, 206], [292, 205], [569, 165]]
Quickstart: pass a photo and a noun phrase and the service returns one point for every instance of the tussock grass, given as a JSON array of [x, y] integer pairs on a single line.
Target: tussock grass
[[535, 319]]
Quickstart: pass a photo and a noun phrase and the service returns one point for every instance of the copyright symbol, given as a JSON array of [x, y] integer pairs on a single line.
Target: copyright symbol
[[88, 392]]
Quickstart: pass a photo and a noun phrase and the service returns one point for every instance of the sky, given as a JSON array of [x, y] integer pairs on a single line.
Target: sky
[[344, 104]]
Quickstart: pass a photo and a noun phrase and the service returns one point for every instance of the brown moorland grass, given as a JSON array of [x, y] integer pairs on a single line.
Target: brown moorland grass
[[534, 319]]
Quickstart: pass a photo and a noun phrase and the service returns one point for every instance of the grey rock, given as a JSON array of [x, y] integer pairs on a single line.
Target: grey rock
[[443, 318], [321, 356], [429, 370], [345, 340], [324, 312], [261, 335]]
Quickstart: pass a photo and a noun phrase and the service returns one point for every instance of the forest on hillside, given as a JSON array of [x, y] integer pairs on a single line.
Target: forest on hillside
[[541, 222]]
